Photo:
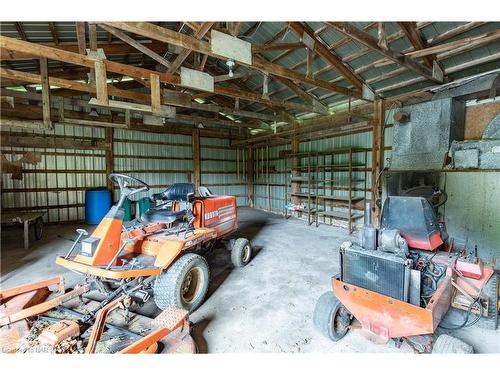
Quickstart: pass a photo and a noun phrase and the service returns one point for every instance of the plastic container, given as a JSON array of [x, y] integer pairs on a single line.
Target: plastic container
[[127, 207], [97, 204], [144, 205]]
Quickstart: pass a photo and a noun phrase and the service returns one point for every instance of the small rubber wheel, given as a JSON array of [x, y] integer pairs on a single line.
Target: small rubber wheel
[[450, 344], [241, 253], [183, 285], [331, 317], [38, 227]]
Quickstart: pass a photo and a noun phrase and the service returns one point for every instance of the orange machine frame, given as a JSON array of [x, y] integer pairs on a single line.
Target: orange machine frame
[[392, 318]]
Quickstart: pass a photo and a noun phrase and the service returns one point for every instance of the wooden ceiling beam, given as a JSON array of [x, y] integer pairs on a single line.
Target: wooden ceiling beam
[[108, 48], [133, 71], [20, 30], [136, 45], [172, 37], [276, 47], [309, 98], [416, 40], [53, 31], [372, 43], [80, 37], [330, 57], [199, 34]]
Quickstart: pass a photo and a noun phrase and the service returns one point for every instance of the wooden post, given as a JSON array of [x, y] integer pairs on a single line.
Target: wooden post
[[101, 83], [108, 139], [44, 75], [377, 156], [155, 93], [295, 187], [250, 170], [196, 158]]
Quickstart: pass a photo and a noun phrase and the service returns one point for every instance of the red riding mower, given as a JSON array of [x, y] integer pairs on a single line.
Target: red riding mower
[[402, 279], [158, 255]]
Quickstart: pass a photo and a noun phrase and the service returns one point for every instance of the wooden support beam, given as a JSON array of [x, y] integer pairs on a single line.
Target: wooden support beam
[[413, 34], [304, 32], [250, 177], [196, 158], [138, 46], [309, 98], [372, 43], [44, 76], [53, 31], [108, 140], [101, 83], [237, 28], [169, 36], [20, 30], [276, 47], [155, 93], [7, 43], [377, 157], [80, 36], [199, 34]]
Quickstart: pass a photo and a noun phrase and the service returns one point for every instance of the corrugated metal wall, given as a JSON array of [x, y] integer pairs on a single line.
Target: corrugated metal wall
[[223, 168], [46, 186], [58, 183]]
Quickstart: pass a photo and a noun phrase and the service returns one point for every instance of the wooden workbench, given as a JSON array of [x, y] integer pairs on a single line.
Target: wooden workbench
[[25, 218]]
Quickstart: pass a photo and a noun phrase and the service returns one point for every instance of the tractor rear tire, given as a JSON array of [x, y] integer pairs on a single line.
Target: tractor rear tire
[[331, 317], [450, 344], [241, 252], [184, 284]]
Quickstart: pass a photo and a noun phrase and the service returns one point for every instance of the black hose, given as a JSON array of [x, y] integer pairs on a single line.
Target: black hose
[[467, 315]]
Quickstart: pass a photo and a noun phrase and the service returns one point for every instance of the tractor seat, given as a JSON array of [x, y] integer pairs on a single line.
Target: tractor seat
[[176, 192], [162, 215]]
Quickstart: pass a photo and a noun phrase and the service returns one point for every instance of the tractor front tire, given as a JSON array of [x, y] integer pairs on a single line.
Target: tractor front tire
[[241, 252], [449, 344], [331, 317], [184, 284]]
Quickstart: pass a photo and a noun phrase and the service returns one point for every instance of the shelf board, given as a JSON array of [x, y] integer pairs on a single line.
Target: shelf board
[[339, 215], [340, 199], [302, 195]]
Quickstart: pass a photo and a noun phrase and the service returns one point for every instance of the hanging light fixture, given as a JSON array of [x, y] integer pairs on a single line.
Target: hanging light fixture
[[230, 64], [93, 112]]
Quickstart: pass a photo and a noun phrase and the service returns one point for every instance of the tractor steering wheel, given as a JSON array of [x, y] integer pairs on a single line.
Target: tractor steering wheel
[[123, 182]]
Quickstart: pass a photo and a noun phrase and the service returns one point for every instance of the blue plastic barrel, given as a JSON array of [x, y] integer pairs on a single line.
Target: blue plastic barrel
[[97, 204]]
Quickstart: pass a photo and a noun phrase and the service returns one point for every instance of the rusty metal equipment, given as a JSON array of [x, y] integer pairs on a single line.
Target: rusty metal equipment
[[26, 308], [402, 289]]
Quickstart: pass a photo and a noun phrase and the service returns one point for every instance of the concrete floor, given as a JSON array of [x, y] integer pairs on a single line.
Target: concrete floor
[[264, 307]]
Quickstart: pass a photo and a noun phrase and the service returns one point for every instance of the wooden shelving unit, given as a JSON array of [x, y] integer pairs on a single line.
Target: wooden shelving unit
[[328, 189]]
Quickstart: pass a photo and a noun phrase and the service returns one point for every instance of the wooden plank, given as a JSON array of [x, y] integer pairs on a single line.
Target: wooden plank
[[328, 55], [276, 46], [53, 31], [138, 46], [155, 93], [199, 34], [195, 138], [80, 36], [250, 177], [377, 156], [366, 39], [44, 76], [415, 38], [101, 83], [109, 157]]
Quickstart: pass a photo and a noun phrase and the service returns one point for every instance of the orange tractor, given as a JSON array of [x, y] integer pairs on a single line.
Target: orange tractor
[[157, 255], [402, 278]]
